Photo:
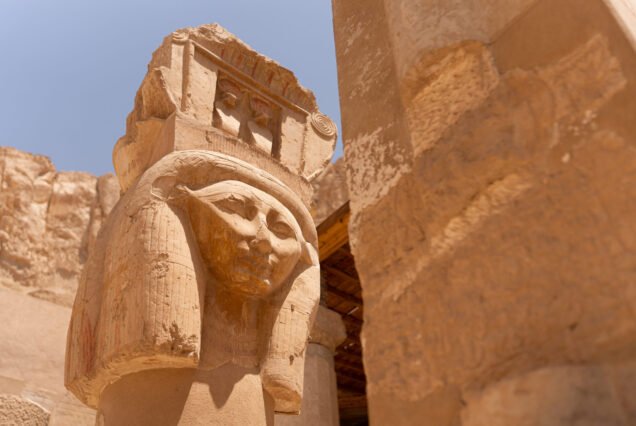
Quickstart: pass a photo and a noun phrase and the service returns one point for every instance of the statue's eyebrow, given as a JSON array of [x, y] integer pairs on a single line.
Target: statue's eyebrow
[[233, 196], [283, 212], [224, 195]]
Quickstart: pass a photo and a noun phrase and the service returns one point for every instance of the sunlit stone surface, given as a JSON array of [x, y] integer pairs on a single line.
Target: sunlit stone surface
[[205, 277]]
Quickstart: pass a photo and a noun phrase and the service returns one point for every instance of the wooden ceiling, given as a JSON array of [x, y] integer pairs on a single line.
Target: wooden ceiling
[[341, 292]]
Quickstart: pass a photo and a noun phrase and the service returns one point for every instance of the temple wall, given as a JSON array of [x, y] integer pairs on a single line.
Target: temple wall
[[490, 159]]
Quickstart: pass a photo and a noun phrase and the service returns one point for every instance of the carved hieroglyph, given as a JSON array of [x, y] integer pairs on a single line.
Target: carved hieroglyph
[[210, 256]]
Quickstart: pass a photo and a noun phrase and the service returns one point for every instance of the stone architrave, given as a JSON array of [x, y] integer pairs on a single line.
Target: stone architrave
[[196, 304], [320, 393], [491, 166]]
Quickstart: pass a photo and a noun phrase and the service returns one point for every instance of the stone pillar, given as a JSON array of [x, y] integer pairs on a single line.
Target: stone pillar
[[196, 302], [489, 147], [320, 393]]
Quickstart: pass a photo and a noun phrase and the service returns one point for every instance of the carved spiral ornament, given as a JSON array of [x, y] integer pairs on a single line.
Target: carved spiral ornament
[[323, 124], [179, 37]]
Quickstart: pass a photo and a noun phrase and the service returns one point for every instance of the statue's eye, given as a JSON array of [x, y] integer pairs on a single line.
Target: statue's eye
[[281, 229], [234, 205]]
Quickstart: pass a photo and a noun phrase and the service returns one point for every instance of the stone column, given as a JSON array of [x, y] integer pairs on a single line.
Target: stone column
[[489, 147], [196, 302], [320, 393]]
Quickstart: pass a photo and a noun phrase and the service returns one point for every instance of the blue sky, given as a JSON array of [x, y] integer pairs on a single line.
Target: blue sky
[[70, 69]]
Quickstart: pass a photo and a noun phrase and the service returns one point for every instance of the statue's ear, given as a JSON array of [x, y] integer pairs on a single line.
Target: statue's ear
[[309, 254], [283, 367], [163, 186], [169, 190], [179, 195]]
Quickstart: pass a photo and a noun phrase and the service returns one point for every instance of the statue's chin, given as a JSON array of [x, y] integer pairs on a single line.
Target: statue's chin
[[246, 283]]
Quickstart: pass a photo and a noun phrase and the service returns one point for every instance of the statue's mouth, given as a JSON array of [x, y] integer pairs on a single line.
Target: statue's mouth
[[256, 268]]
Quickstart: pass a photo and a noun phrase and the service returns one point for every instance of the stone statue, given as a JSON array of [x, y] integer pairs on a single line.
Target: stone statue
[[206, 273]]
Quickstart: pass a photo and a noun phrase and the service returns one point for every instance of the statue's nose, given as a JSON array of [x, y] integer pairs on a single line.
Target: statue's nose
[[262, 240]]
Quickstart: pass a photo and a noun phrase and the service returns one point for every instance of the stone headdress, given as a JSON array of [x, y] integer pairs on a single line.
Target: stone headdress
[[210, 109]]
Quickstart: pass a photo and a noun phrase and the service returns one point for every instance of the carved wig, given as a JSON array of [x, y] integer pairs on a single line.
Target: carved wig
[[142, 307]]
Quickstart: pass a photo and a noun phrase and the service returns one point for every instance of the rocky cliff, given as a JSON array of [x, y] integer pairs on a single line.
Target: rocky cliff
[[48, 220]]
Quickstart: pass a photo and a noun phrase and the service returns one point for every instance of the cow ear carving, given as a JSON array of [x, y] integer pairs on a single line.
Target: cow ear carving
[[163, 187], [309, 254]]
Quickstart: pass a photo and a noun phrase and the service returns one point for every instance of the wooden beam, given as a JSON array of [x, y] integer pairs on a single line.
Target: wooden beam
[[359, 390], [353, 377], [340, 366], [351, 350], [351, 320], [342, 275], [351, 341], [354, 370], [346, 317], [345, 252], [357, 381], [333, 232], [348, 364], [343, 295], [349, 400], [348, 357], [342, 363], [352, 412], [354, 349]]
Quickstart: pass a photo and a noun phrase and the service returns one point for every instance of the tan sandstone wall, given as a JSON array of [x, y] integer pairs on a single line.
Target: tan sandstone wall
[[491, 163], [48, 221], [330, 191]]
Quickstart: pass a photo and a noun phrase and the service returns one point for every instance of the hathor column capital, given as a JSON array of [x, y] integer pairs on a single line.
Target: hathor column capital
[[206, 272]]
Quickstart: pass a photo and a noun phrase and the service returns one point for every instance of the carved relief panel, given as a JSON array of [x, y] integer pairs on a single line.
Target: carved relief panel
[[245, 115], [238, 100]]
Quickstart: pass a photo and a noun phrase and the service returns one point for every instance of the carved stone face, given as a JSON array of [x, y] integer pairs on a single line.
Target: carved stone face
[[249, 241]]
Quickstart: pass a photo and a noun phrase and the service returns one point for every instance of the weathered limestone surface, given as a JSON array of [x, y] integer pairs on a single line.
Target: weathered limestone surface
[[48, 220], [581, 395], [196, 303], [330, 191], [490, 160]]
